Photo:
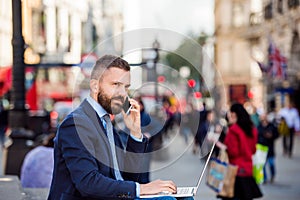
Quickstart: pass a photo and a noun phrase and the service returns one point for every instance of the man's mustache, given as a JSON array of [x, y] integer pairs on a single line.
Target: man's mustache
[[118, 98]]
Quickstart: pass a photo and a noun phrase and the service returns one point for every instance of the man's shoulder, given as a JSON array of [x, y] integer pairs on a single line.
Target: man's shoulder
[[83, 119], [81, 111]]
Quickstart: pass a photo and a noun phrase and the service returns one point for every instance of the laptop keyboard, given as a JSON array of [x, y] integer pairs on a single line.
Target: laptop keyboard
[[184, 190]]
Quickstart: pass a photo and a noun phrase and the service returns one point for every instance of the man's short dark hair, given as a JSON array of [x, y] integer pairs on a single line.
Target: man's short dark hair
[[106, 62]]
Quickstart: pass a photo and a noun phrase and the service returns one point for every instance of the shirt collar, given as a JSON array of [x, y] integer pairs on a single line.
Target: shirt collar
[[97, 107]]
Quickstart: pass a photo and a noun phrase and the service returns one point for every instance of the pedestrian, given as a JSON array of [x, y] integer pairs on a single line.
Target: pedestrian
[[4, 140], [170, 117], [267, 134], [291, 117], [240, 140], [188, 127], [91, 161], [255, 116], [205, 127], [197, 139], [37, 167], [3, 124]]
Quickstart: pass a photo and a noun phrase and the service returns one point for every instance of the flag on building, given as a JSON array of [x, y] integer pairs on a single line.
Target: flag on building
[[263, 67], [277, 64]]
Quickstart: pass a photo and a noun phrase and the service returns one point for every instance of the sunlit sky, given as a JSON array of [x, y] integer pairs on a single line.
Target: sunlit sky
[[182, 16], [186, 17]]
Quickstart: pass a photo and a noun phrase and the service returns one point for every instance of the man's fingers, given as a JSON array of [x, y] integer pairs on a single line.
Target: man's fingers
[[135, 104], [158, 186], [170, 186]]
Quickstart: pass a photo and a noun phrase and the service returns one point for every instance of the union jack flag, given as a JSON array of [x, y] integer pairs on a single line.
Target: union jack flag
[[277, 64]]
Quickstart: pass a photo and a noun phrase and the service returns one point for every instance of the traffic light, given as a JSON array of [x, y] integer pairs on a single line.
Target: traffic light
[[250, 94], [197, 95], [191, 83], [161, 79]]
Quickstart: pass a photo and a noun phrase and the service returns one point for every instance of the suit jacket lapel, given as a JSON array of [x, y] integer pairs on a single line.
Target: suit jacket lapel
[[91, 113]]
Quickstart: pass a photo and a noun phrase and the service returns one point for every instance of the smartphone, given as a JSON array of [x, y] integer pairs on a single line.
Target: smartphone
[[127, 106]]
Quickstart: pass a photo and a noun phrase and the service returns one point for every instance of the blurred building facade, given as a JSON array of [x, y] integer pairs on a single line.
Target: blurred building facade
[[244, 31], [60, 32], [5, 33]]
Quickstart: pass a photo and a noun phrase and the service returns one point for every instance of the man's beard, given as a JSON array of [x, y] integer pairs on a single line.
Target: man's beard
[[105, 102]]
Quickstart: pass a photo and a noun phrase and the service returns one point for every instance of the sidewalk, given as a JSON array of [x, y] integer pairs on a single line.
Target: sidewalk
[[180, 165], [185, 169], [287, 181]]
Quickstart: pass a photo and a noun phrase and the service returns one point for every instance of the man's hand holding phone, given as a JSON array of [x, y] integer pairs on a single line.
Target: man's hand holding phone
[[127, 106], [132, 118]]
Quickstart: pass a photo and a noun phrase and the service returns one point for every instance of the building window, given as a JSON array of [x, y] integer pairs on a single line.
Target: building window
[[238, 15], [280, 6], [238, 93], [293, 3], [294, 62], [38, 31], [256, 12], [58, 28], [94, 36], [69, 34], [255, 18], [268, 11]]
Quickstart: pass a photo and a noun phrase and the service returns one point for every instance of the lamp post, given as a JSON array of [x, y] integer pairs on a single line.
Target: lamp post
[[155, 47], [18, 115], [18, 112], [150, 57]]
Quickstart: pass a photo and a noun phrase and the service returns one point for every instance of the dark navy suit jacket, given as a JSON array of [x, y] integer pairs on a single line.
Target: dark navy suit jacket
[[82, 160]]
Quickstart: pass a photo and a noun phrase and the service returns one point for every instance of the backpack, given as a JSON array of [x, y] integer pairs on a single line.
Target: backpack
[[283, 128]]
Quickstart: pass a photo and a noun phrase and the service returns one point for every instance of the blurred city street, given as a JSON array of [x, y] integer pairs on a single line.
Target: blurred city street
[[185, 172], [185, 57]]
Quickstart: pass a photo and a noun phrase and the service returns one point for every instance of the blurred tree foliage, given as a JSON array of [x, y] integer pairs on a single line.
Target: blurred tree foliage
[[174, 60]]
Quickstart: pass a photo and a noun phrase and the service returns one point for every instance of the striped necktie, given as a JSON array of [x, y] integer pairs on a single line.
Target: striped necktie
[[110, 135]]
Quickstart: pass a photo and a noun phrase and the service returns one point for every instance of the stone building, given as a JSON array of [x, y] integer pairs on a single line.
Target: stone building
[[244, 31], [59, 33], [5, 33]]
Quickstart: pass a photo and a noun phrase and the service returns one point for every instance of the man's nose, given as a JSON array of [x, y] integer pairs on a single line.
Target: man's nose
[[122, 91]]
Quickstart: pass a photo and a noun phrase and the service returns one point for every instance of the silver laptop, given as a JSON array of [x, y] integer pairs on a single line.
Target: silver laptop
[[185, 191]]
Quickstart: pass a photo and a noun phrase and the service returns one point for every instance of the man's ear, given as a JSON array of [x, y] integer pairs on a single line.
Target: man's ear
[[94, 85]]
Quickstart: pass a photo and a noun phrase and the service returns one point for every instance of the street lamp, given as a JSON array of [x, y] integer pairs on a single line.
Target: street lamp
[[18, 112], [150, 57], [155, 47]]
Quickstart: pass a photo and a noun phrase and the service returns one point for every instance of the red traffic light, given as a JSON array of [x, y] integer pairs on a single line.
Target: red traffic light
[[191, 83], [250, 94], [161, 79], [197, 95]]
